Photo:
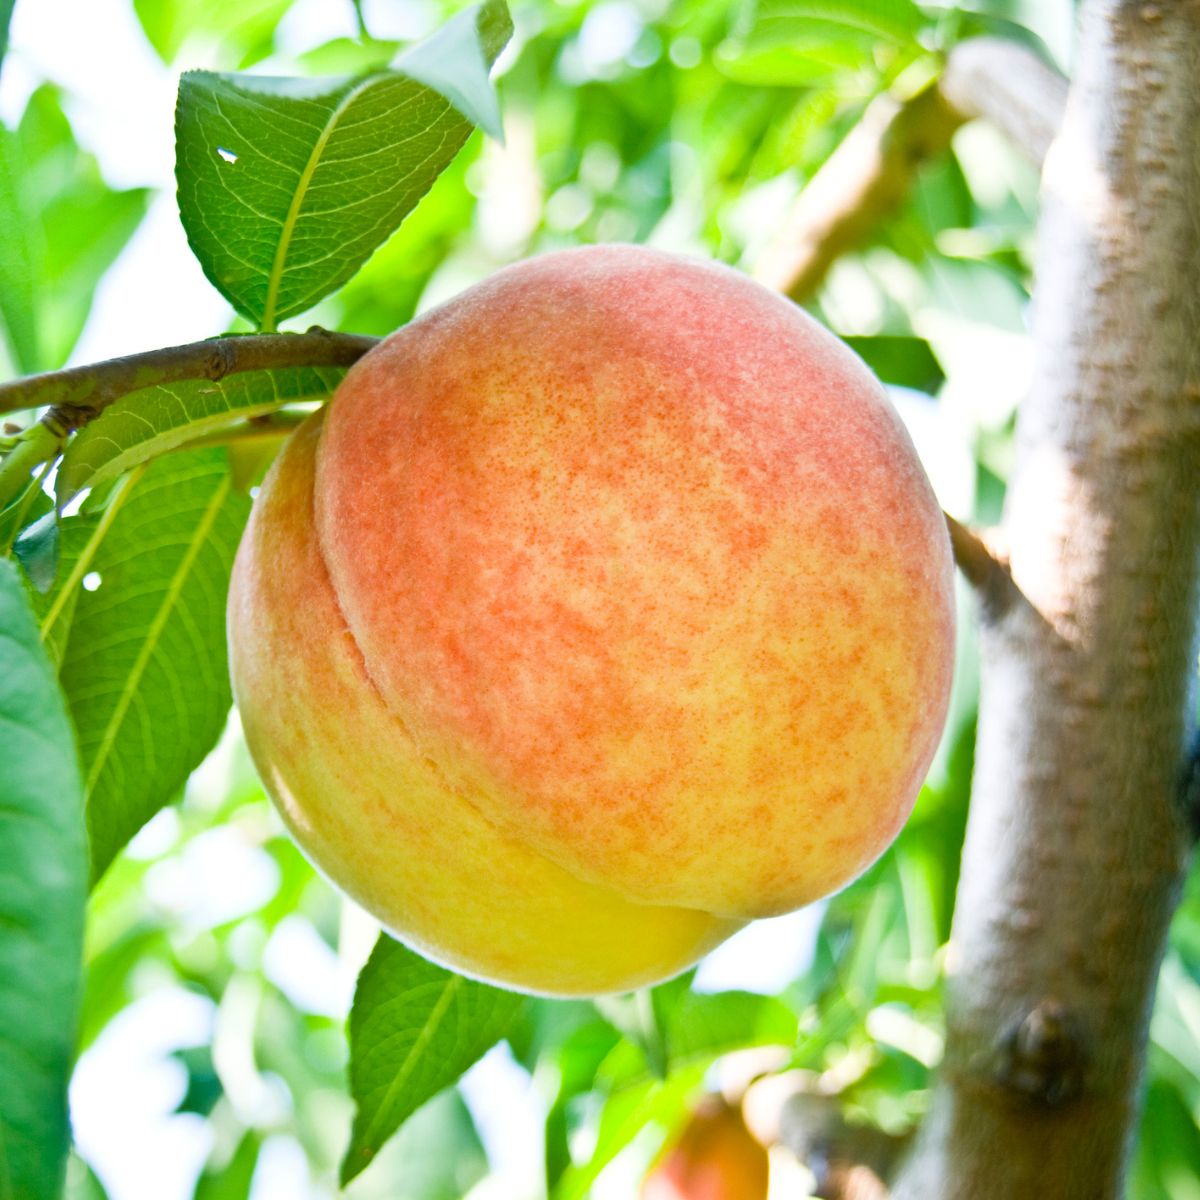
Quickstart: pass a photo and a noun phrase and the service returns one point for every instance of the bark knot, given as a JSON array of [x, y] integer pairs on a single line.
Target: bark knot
[[1042, 1057]]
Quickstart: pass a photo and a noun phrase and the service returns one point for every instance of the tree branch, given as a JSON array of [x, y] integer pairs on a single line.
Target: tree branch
[[1076, 843], [869, 175], [987, 573], [77, 394]]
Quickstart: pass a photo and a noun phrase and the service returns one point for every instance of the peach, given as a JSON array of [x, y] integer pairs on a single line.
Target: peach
[[713, 1157], [605, 608]]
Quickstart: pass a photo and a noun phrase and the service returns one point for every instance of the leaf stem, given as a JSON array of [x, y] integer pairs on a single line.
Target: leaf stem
[[78, 394], [37, 445], [26, 501]]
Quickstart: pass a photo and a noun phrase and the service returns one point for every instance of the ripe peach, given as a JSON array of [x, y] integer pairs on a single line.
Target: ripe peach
[[605, 608], [713, 1157]]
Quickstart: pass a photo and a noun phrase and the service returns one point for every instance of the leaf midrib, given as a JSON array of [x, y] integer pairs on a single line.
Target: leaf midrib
[[154, 633], [278, 266], [432, 1022]]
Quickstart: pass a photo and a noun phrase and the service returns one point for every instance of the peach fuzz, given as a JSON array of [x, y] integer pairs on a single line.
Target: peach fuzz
[[606, 608]]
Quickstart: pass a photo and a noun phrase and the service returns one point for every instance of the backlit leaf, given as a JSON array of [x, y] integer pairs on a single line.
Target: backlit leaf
[[148, 422], [414, 1029]]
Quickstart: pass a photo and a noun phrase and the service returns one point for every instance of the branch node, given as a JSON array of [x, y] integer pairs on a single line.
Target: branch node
[[1042, 1058], [223, 359]]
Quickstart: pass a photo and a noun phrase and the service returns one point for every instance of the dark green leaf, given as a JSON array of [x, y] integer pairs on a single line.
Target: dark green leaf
[[37, 551], [42, 893], [203, 1086], [145, 666], [6, 12], [31, 505], [414, 1029], [901, 361], [148, 422], [286, 186]]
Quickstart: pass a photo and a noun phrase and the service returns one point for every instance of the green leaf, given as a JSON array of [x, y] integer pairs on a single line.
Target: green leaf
[[242, 27], [37, 551], [780, 20], [287, 186], [18, 261], [695, 1028], [82, 1183], [79, 538], [6, 12], [438, 1155], [902, 361], [63, 227], [626, 1113], [30, 506], [812, 42], [703, 1026], [414, 1029], [639, 1020], [42, 893], [149, 422], [145, 666], [232, 1180]]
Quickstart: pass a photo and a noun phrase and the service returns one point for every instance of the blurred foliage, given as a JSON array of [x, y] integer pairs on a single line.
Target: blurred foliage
[[692, 125]]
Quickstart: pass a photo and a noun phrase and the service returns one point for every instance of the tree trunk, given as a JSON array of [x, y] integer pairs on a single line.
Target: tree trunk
[[1077, 842]]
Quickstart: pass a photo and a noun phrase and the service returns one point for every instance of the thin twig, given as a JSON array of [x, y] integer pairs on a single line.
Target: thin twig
[[77, 394], [869, 175], [37, 445], [983, 570]]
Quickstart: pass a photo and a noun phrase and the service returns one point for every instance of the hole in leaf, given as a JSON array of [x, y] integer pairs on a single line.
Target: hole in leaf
[[91, 581], [227, 155]]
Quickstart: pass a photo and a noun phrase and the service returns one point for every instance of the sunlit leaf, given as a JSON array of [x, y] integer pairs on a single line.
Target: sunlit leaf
[[145, 666], [626, 1113], [437, 1155], [18, 260], [42, 892], [286, 186], [900, 20], [242, 27], [414, 1029], [148, 422], [63, 227], [231, 1180]]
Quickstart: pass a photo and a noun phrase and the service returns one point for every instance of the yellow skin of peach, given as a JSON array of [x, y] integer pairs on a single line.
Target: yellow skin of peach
[[606, 608]]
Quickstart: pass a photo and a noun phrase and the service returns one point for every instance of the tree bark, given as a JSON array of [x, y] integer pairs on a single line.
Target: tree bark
[[1077, 841]]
